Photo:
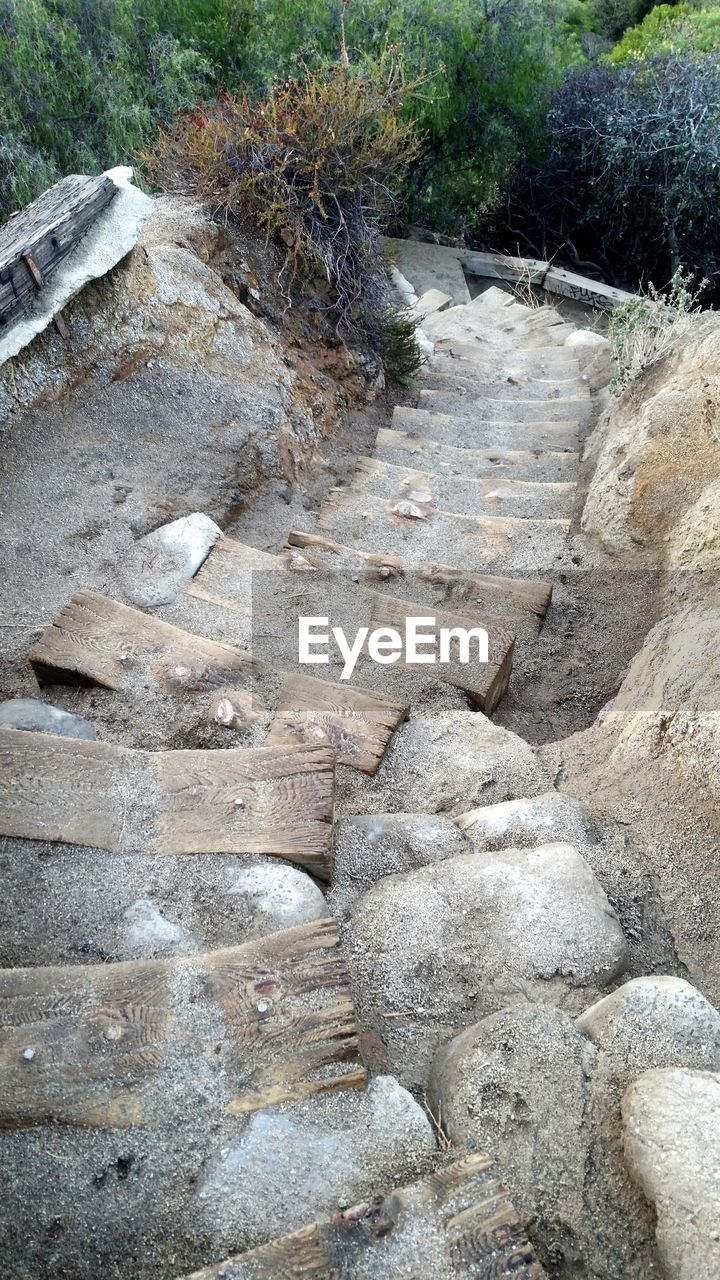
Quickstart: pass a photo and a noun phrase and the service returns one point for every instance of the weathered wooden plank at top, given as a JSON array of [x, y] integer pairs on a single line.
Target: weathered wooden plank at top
[[95, 794], [100, 641], [137, 1043], [48, 230], [463, 1209]]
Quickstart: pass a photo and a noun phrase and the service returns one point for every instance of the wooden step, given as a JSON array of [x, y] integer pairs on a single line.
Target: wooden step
[[405, 448], [463, 1209], [102, 1045], [472, 358], [432, 302], [102, 642], [482, 542], [267, 800], [350, 606], [466, 431], [491, 403], [464, 494], [512, 601]]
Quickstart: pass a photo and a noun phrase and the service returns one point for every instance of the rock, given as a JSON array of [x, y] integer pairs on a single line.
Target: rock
[[236, 709], [368, 847], [273, 896], [34, 716], [149, 932], [672, 1144], [435, 949], [164, 561], [452, 761], [657, 1021], [522, 823], [292, 1164], [516, 1084]]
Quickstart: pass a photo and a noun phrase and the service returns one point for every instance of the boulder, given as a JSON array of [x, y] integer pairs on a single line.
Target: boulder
[[162, 563], [433, 950], [650, 1022], [671, 1124], [34, 716], [368, 847], [273, 895], [519, 824]]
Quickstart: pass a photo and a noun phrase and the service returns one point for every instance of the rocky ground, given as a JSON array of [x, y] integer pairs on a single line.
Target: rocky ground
[[527, 903]]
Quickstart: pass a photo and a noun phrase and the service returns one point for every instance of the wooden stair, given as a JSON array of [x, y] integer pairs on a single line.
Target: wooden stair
[[466, 495], [408, 448], [461, 428]]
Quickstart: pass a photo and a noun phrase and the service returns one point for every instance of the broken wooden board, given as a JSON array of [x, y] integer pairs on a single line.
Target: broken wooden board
[[466, 430], [464, 494], [512, 601], [118, 1045], [102, 642], [407, 448], [417, 530], [352, 606], [35, 241], [263, 801], [458, 1223]]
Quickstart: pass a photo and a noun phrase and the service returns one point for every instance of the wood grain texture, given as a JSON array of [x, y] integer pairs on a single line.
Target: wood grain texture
[[48, 230], [112, 1044], [462, 1213], [272, 800], [100, 641], [509, 600], [356, 727]]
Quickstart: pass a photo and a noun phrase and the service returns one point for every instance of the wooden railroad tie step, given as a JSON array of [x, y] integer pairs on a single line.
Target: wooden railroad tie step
[[466, 495], [512, 601], [494, 402], [318, 592], [462, 429], [232, 1031], [270, 800], [99, 641], [407, 448], [463, 1209], [417, 530]]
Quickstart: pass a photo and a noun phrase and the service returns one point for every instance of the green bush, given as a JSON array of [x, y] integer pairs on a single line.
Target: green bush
[[670, 28]]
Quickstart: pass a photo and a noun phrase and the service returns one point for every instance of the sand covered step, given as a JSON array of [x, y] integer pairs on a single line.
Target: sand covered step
[[510, 402], [406, 448], [468, 358], [433, 950], [273, 800], [459, 1222], [176, 678], [462, 428], [515, 602], [419, 531], [465, 495], [258, 1024], [65, 904], [289, 597], [428, 265]]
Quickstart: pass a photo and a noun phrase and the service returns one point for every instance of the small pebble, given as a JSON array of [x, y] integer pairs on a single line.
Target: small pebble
[[28, 1054]]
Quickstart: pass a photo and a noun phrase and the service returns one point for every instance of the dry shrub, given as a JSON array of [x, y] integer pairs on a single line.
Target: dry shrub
[[317, 162]]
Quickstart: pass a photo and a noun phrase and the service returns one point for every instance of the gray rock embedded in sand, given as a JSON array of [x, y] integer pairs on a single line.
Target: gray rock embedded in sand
[[370, 846], [148, 932], [517, 1084], [275, 896], [453, 761], [672, 1145], [292, 1164], [164, 561], [34, 716], [520, 823], [433, 950], [651, 1022]]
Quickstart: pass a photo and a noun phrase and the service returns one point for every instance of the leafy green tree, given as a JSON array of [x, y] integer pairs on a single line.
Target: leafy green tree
[[670, 29]]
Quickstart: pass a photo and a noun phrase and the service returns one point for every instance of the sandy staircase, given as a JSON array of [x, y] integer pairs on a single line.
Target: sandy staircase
[[463, 508]]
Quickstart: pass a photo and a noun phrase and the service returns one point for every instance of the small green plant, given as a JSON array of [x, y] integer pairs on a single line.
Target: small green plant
[[645, 329], [396, 340]]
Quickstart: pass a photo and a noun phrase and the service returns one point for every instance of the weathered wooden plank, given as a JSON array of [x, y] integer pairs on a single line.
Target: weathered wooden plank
[[116, 1045], [432, 301], [407, 448], [462, 428], [467, 495], [510, 600], [354, 606], [48, 230], [463, 1209], [357, 728], [100, 641], [277, 802]]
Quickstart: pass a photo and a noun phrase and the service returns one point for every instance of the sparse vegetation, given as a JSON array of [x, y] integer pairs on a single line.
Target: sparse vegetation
[[645, 329]]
